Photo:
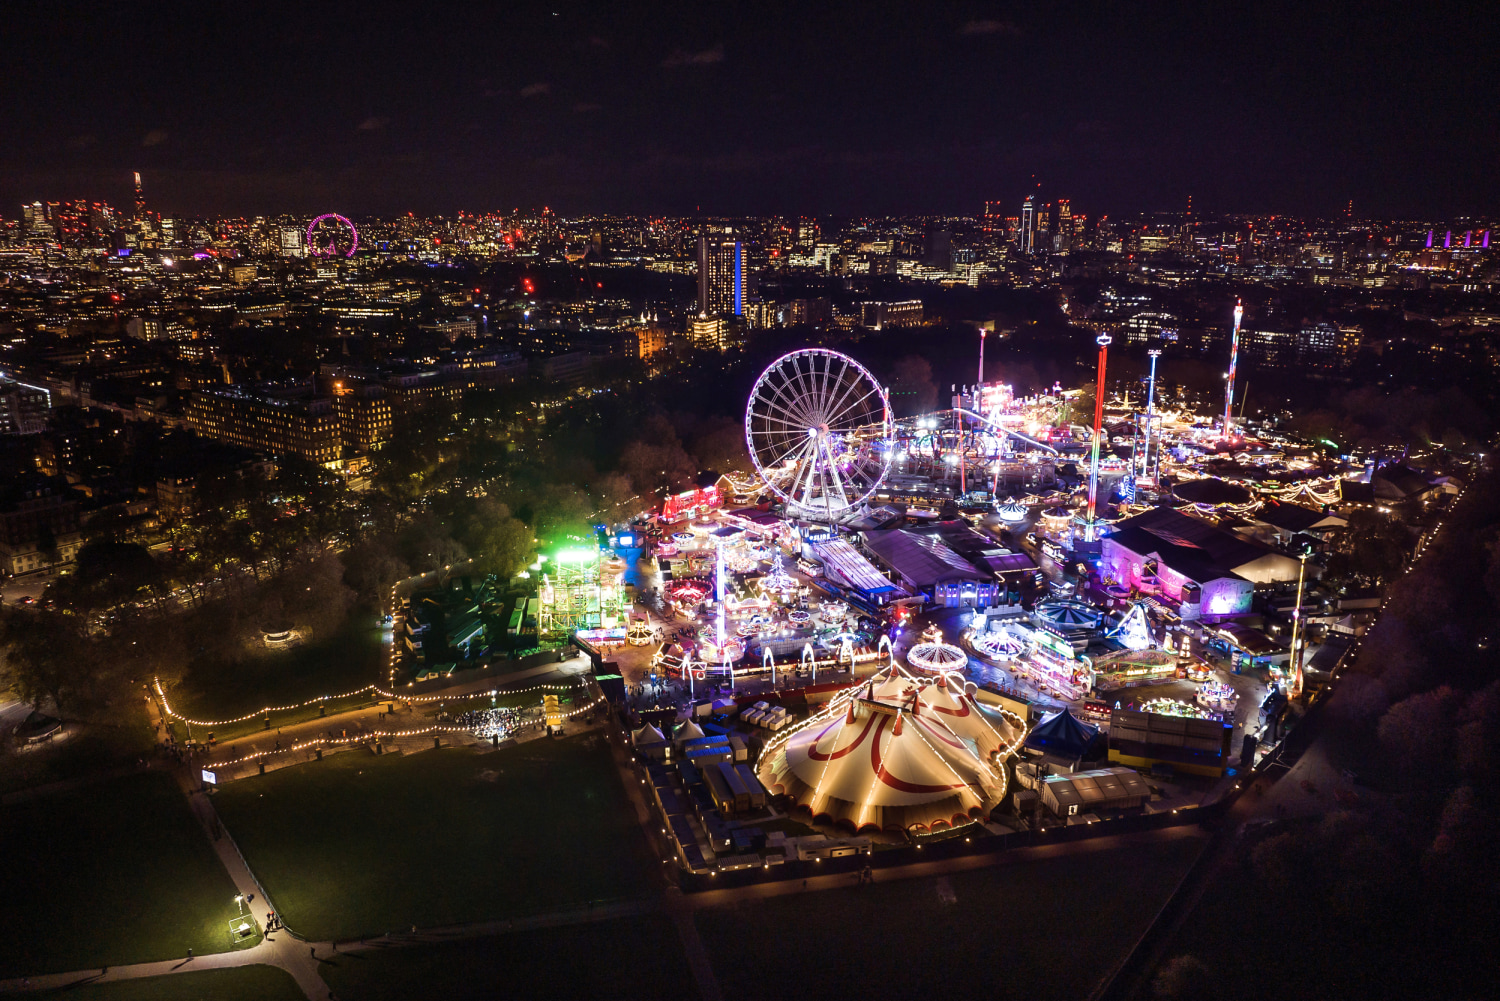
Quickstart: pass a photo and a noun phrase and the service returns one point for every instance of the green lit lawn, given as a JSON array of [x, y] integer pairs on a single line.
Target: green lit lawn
[[625, 958], [358, 844], [240, 983], [110, 873], [1030, 927]]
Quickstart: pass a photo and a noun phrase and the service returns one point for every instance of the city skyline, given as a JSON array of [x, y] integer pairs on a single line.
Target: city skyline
[[835, 111], [605, 500]]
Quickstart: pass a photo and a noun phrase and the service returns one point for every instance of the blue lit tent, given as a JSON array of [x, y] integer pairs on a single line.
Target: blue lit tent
[[1063, 737]]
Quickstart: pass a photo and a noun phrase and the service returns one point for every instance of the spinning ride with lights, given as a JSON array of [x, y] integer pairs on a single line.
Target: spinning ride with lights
[[938, 658], [331, 235], [820, 432], [998, 644], [687, 594], [1174, 707], [777, 581]]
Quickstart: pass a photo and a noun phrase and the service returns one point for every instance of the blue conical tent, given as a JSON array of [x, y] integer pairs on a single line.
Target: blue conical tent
[[1062, 736]]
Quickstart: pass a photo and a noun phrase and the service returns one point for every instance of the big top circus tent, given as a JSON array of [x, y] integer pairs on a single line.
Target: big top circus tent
[[894, 753]]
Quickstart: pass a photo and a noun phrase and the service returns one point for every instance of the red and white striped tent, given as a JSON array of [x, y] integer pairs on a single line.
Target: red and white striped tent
[[896, 752]]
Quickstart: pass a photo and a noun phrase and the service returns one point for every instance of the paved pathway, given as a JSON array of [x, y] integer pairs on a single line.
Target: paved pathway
[[355, 722]]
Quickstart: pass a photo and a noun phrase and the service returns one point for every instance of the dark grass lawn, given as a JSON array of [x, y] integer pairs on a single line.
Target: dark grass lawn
[[109, 873], [1028, 928], [85, 750], [358, 844], [639, 957], [350, 658], [239, 983]]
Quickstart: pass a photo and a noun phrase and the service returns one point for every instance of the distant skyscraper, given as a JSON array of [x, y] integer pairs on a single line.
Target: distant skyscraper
[[721, 275], [1028, 225], [1065, 222], [140, 198], [36, 220], [939, 251], [293, 242], [994, 217], [807, 236]]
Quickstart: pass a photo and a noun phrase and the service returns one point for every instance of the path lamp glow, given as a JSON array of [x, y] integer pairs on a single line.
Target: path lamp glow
[[239, 899]]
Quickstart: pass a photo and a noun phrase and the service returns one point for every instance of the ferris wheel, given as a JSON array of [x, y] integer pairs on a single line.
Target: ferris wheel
[[331, 235], [820, 432]]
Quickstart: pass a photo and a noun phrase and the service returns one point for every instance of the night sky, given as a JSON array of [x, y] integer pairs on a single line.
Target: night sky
[[860, 108]]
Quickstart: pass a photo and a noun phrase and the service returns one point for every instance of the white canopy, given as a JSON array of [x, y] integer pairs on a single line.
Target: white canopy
[[647, 734]]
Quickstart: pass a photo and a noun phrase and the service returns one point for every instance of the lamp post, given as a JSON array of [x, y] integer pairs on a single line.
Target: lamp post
[[239, 899]]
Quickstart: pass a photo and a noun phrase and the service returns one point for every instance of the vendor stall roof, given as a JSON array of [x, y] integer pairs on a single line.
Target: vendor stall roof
[[845, 563], [1199, 550], [920, 558]]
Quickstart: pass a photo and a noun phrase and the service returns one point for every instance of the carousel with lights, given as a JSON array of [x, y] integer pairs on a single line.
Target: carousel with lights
[[934, 655]]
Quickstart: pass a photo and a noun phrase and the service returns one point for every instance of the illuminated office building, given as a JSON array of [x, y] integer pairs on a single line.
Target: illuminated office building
[[721, 276]]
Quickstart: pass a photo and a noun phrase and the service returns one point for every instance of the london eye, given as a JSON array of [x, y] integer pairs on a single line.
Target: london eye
[[332, 235]]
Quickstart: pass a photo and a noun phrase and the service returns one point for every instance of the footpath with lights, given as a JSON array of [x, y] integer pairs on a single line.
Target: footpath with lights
[[373, 727]]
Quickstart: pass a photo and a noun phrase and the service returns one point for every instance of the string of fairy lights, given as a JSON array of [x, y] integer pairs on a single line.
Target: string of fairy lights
[[322, 742], [322, 699]]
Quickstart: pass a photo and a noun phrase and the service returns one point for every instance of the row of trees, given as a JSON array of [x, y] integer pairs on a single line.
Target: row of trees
[[1393, 893]]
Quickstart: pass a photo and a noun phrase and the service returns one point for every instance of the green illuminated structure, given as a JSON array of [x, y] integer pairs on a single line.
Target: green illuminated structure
[[575, 594]]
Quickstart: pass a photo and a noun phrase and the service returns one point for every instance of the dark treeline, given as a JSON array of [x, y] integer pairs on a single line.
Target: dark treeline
[[1393, 893]]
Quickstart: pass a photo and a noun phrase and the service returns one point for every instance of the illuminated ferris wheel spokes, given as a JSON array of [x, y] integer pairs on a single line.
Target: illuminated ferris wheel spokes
[[819, 431], [331, 235]]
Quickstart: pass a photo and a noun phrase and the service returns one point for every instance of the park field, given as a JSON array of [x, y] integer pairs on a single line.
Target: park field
[[109, 873], [359, 845], [235, 983], [347, 660], [1037, 927], [635, 957]]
